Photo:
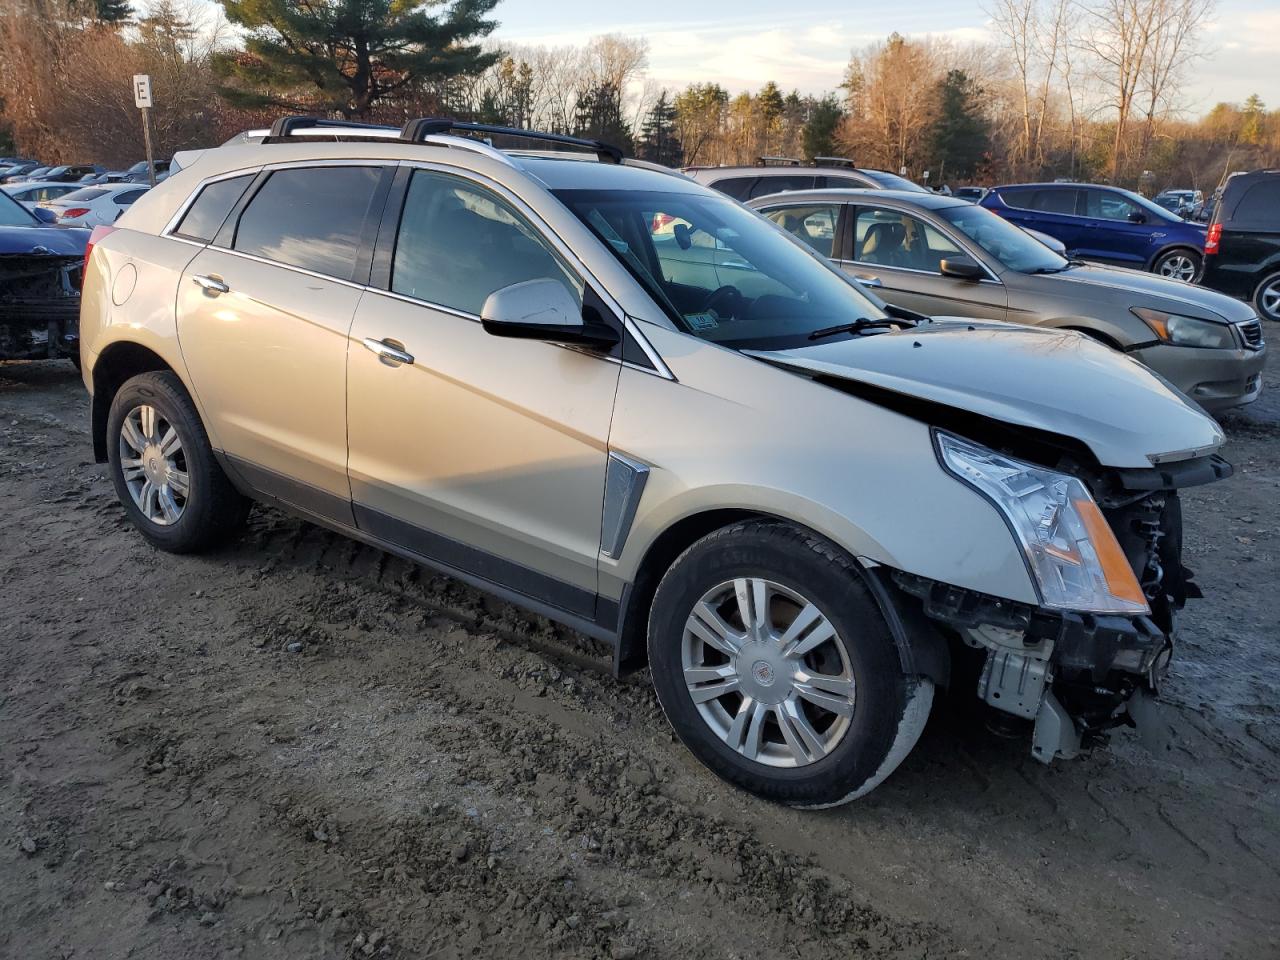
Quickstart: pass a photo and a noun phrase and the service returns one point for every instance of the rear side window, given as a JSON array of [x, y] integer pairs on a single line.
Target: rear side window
[[782, 184], [844, 183], [737, 187], [1019, 198], [1260, 206], [205, 216], [311, 217], [126, 198], [1055, 201]]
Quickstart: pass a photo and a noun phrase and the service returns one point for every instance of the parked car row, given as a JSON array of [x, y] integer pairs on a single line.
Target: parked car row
[[617, 397], [30, 171]]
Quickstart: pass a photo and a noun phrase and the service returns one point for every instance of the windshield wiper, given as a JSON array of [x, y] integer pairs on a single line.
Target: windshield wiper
[[857, 326]]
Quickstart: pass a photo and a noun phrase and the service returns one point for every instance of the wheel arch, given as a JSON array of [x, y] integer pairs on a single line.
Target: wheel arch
[[1170, 248], [114, 366], [922, 650]]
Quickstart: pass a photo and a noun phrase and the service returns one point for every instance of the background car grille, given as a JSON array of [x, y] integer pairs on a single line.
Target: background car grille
[[1251, 330]]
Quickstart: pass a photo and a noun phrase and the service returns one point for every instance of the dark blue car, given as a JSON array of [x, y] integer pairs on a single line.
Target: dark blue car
[[1105, 224], [40, 272]]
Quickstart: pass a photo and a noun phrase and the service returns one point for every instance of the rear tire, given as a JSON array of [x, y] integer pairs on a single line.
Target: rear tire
[[1181, 264], [806, 703], [1266, 298], [164, 470]]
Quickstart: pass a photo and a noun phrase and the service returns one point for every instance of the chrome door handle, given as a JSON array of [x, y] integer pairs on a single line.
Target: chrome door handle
[[870, 281], [386, 351], [212, 286]]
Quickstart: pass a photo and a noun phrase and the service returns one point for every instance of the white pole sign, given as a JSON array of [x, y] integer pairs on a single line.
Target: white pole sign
[[141, 90]]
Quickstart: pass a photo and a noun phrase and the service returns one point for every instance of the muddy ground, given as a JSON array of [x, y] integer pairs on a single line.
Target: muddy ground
[[301, 747]]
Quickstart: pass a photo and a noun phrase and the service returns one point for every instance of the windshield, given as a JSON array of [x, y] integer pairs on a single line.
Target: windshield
[[891, 181], [13, 214], [721, 272], [1012, 246], [1150, 207]]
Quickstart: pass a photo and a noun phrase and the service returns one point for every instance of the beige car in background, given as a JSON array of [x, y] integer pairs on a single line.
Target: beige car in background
[[798, 508]]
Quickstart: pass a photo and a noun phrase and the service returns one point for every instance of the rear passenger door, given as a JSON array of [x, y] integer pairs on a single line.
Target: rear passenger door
[[483, 453], [1053, 210], [263, 316]]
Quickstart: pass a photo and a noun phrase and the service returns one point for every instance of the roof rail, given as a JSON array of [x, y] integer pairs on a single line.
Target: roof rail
[[291, 126], [418, 130], [832, 162], [777, 162]]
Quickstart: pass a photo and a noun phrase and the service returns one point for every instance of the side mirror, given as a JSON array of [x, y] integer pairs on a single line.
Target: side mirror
[[544, 310], [961, 268], [45, 215], [683, 239], [1137, 217]]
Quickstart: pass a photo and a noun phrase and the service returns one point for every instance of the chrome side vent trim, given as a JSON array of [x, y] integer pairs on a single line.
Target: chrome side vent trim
[[623, 486]]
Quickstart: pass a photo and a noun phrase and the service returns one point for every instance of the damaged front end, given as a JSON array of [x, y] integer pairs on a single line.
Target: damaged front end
[[39, 305], [1078, 673]]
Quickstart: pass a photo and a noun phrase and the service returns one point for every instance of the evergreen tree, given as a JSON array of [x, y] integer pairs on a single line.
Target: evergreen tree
[[113, 11], [960, 135], [1253, 117], [820, 130], [354, 53], [599, 116], [658, 140]]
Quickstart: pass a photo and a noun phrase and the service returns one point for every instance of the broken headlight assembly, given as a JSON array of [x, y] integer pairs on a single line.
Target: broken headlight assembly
[[1186, 331], [1070, 551]]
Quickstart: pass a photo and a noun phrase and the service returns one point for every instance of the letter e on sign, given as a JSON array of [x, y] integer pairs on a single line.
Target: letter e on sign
[[141, 90]]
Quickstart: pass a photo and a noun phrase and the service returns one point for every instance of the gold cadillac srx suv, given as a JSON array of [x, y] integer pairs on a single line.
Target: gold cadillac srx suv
[[620, 399]]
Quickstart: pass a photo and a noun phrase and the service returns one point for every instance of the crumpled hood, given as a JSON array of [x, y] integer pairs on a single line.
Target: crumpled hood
[[1148, 290], [59, 241], [1054, 380]]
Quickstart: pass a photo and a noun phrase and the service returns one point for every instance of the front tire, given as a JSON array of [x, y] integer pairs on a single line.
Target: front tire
[[164, 470], [776, 668], [1180, 264], [1266, 298]]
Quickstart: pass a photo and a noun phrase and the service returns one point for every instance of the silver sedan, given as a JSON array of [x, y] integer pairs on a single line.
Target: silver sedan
[[944, 257]]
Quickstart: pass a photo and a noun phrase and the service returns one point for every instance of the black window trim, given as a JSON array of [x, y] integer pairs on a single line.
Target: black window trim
[[839, 242], [948, 231]]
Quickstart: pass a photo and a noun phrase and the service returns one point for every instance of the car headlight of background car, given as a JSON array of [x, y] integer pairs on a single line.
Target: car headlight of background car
[[1070, 550], [1186, 331]]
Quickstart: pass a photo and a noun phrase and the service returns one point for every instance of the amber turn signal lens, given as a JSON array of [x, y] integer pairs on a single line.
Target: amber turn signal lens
[[1115, 565]]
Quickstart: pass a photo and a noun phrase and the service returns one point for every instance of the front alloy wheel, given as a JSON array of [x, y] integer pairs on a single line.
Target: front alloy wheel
[[154, 465], [767, 672], [1267, 299]]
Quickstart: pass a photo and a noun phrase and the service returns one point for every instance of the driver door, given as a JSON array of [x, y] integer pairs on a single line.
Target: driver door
[[482, 453]]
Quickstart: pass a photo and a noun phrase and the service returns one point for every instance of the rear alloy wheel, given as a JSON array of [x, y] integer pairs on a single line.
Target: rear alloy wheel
[[1181, 265], [777, 669], [164, 469], [1266, 300]]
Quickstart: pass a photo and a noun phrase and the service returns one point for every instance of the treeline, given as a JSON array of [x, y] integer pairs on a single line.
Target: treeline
[[1087, 89]]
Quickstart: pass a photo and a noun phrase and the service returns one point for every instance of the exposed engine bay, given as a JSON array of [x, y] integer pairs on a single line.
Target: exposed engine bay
[[39, 306]]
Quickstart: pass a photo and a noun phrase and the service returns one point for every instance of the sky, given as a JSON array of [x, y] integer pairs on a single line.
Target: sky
[[805, 44]]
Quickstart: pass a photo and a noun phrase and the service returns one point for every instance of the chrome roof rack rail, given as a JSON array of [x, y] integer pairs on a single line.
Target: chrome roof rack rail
[[467, 143], [833, 162], [322, 126], [777, 162], [417, 131]]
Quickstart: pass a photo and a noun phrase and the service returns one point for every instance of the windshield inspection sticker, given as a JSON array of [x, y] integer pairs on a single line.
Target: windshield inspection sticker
[[702, 321]]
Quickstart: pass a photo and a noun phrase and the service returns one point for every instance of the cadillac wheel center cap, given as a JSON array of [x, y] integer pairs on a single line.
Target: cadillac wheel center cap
[[762, 670]]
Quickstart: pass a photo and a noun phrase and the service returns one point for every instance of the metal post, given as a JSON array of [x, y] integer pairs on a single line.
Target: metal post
[[146, 135]]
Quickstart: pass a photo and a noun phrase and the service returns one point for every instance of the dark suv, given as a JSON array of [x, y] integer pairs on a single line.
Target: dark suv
[[1242, 252], [1105, 224]]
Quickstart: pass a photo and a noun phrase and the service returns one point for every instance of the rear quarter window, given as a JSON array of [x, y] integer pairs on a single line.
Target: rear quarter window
[[1020, 199], [212, 205], [737, 187], [1259, 208]]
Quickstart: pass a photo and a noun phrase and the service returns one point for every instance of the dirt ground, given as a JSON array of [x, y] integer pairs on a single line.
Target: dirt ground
[[301, 747]]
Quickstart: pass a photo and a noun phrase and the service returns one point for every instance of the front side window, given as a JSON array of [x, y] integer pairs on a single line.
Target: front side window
[[721, 272], [895, 239], [1105, 205], [458, 243], [1011, 245], [205, 216], [814, 225], [309, 217]]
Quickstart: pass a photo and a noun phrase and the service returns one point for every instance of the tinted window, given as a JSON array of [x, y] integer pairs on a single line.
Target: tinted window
[[845, 183], [813, 225], [737, 187], [1260, 205], [1055, 200], [896, 239], [126, 198], [1020, 198], [211, 208], [459, 243], [311, 218], [891, 181], [767, 185]]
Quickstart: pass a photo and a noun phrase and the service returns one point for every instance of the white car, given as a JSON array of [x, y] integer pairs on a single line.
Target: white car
[[33, 193], [94, 206]]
